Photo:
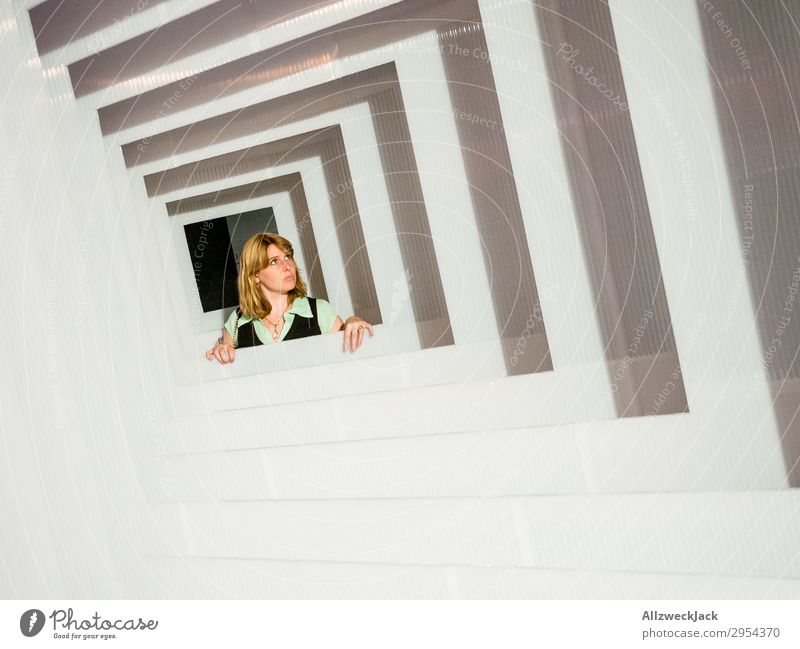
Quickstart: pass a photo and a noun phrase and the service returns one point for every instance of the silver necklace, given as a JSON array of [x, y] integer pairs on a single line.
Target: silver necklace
[[275, 327]]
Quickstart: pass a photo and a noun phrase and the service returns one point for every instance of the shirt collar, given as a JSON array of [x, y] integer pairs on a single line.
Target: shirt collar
[[301, 307]]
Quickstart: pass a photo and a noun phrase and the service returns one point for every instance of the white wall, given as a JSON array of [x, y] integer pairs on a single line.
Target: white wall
[[82, 394], [134, 468]]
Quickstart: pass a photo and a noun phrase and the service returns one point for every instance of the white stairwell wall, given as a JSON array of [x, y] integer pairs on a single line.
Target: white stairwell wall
[[135, 468]]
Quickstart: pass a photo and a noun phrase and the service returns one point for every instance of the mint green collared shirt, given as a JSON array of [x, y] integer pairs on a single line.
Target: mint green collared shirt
[[326, 316]]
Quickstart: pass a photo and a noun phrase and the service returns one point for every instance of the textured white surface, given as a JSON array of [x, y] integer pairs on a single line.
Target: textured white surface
[[131, 467], [731, 534]]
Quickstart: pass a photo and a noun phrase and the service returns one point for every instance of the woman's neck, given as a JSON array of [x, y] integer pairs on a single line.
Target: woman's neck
[[279, 303]]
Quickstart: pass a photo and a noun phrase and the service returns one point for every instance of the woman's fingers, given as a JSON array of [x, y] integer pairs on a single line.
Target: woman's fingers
[[223, 353], [354, 335], [348, 334], [350, 337], [228, 350]]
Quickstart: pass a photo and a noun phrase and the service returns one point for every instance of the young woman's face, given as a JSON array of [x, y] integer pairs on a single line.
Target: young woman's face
[[280, 274]]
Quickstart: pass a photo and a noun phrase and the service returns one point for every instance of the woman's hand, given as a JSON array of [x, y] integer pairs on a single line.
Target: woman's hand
[[354, 328], [224, 351]]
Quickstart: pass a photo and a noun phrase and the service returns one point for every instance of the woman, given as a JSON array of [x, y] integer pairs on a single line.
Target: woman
[[273, 305]]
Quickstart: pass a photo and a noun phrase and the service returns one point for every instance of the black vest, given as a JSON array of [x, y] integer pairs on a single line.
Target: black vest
[[301, 328]]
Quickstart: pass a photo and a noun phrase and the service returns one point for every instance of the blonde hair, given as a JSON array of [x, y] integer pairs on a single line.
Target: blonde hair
[[254, 258]]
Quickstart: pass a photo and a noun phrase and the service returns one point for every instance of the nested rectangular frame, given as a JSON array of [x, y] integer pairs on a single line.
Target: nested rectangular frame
[[474, 253], [324, 225], [404, 329], [432, 120], [356, 122], [669, 438], [402, 48], [371, 194]]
